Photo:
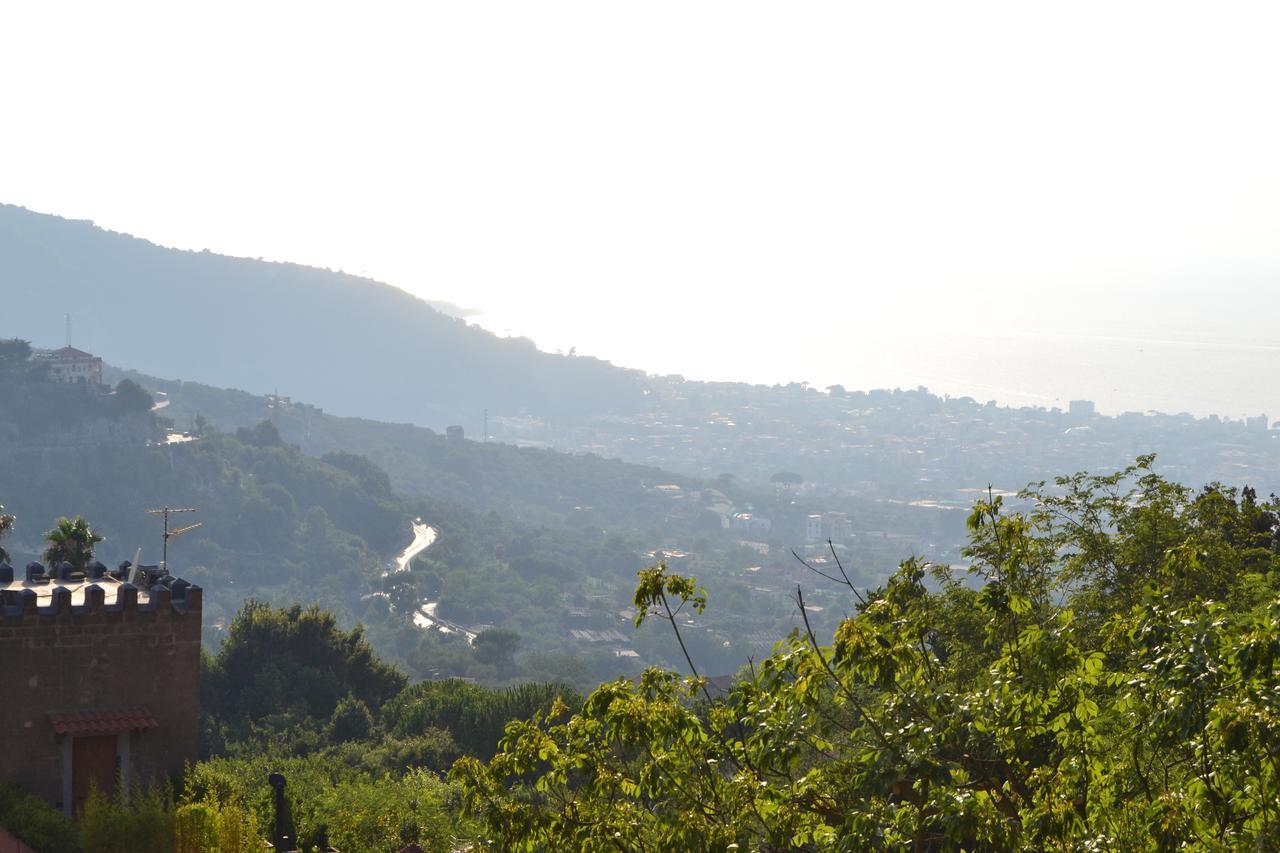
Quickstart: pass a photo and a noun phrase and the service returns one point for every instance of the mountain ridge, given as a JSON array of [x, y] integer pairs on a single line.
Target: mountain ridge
[[267, 325]]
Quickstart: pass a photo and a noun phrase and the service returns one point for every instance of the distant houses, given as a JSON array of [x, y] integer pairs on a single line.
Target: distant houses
[[747, 522], [70, 365], [819, 527]]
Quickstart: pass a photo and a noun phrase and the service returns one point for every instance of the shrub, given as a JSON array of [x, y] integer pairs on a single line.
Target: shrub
[[36, 822]]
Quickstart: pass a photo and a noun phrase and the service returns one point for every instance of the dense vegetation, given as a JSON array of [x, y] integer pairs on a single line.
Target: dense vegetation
[[283, 526], [257, 535], [290, 692], [34, 410], [579, 492], [526, 537], [1104, 678]]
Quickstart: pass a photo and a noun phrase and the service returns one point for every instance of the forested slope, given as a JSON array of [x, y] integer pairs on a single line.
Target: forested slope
[[531, 485]]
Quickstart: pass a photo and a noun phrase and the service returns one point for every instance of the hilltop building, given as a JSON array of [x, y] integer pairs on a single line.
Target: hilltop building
[[72, 366], [102, 679]]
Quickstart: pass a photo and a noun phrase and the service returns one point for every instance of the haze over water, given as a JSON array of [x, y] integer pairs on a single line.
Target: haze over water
[[1213, 362]]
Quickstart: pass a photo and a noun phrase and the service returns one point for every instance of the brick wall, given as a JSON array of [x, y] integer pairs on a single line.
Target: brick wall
[[95, 657]]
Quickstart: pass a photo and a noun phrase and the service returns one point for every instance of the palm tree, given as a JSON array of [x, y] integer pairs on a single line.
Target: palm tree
[[71, 542]]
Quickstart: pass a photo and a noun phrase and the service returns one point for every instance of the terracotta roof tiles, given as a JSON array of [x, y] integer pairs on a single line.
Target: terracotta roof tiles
[[102, 722]]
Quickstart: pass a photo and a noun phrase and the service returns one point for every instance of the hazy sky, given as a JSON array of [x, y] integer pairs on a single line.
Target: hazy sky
[[738, 189]]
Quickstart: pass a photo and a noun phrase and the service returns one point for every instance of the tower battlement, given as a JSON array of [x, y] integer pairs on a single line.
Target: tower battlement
[[116, 653]]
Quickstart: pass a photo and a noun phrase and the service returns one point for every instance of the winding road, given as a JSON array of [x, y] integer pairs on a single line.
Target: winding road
[[425, 616], [423, 536]]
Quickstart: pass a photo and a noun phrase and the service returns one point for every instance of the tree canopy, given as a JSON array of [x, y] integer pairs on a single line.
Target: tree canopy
[[1101, 675], [296, 661]]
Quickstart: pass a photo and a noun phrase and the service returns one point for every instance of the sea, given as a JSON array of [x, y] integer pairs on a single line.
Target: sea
[[1207, 371]]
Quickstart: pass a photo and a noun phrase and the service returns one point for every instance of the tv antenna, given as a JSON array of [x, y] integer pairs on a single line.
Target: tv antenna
[[170, 534]]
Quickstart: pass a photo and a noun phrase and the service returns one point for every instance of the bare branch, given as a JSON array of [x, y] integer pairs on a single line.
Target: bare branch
[[853, 700], [818, 571], [843, 574]]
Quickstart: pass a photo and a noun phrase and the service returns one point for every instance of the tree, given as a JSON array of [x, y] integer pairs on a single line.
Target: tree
[[6, 525], [71, 541], [14, 352], [497, 647], [16, 363], [372, 478], [296, 660], [263, 434], [351, 720], [132, 398], [786, 478], [1106, 678]]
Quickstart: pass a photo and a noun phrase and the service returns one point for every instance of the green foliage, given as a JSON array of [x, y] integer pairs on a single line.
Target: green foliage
[[142, 822], [374, 480], [226, 806], [361, 811], [195, 828], [281, 667], [431, 749], [14, 353], [209, 824], [32, 407], [474, 715], [132, 398], [497, 647], [264, 434], [71, 541], [1106, 679], [351, 720], [34, 821], [520, 530]]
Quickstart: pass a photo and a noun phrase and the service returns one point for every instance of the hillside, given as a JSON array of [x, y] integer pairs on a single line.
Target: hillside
[[540, 544], [526, 484], [350, 344]]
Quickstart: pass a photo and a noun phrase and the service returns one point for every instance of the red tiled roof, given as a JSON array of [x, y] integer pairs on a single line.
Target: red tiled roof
[[99, 722], [72, 352]]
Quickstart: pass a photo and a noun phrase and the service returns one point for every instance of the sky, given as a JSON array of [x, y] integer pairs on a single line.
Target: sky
[[740, 190]]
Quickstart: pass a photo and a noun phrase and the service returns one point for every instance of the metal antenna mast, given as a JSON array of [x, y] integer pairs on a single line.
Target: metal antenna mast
[[68, 328], [170, 534]]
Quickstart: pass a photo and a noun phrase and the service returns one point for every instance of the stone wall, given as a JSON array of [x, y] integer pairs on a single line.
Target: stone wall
[[95, 656]]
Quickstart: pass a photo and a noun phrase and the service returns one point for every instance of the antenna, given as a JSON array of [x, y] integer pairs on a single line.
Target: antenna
[[134, 571], [68, 328], [170, 534]]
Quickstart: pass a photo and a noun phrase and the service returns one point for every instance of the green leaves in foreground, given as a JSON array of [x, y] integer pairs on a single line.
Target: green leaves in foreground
[[1079, 691]]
